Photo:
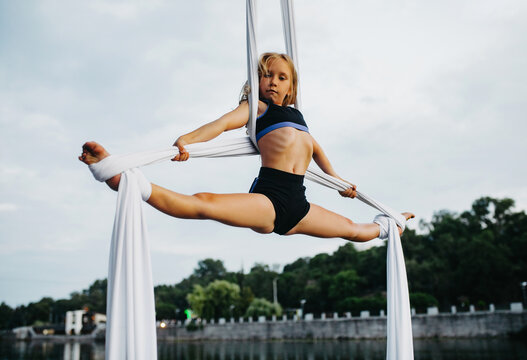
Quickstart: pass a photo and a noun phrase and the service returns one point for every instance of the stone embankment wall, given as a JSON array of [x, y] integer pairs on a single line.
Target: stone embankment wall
[[474, 324]]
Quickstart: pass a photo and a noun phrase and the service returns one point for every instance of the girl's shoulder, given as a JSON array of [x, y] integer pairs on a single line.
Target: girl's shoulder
[[262, 106]]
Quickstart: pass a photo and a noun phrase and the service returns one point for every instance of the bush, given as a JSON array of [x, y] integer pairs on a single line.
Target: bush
[[374, 304], [421, 301], [165, 311], [194, 326], [263, 307]]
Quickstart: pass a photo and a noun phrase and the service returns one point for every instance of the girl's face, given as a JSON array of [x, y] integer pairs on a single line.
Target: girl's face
[[276, 83]]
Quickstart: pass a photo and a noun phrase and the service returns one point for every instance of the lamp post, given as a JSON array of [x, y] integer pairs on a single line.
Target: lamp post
[[302, 302], [524, 293], [275, 295]]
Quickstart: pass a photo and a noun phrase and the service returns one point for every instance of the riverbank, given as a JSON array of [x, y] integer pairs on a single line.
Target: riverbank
[[460, 325], [481, 324]]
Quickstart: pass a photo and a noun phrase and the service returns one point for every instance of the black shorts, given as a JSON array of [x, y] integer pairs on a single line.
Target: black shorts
[[287, 193]]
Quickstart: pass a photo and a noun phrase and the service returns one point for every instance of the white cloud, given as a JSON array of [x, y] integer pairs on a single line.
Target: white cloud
[[124, 10], [420, 103], [8, 207]]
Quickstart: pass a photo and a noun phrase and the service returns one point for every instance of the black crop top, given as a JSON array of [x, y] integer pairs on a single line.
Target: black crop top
[[276, 116]]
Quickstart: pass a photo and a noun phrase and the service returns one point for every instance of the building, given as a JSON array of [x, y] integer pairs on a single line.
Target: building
[[82, 321]]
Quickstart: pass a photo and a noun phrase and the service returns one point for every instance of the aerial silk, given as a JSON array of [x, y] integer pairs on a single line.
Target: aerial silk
[[130, 306], [131, 332]]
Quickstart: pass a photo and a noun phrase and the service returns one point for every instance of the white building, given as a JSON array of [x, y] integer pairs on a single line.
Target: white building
[[77, 319]]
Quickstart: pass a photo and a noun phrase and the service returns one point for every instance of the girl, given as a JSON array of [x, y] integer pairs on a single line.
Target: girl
[[276, 201]]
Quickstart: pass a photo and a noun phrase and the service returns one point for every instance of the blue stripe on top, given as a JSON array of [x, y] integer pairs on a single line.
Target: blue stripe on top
[[280, 125]]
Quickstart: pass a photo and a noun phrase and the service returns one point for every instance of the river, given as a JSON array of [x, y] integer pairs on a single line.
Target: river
[[440, 349]]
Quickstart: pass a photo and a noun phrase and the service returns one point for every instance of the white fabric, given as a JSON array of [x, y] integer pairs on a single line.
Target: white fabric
[[131, 328], [399, 330], [288, 24], [252, 68], [131, 314], [115, 164], [384, 225], [399, 340], [399, 335], [145, 187]]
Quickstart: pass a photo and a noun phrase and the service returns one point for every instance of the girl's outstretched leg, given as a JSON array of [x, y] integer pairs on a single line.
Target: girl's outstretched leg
[[323, 223], [254, 211]]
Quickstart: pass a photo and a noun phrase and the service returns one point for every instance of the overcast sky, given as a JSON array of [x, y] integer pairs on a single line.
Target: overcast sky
[[420, 103]]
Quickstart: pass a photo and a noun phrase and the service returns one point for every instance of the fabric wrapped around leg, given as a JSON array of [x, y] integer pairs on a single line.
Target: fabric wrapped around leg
[[144, 185], [384, 225]]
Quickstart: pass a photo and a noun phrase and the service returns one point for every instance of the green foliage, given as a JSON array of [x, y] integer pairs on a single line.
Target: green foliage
[[355, 305], [194, 326], [218, 299], [246, 298], [260, 280], [476, 257], [344, 284], [209, 270], [421, 301], [6, 316], [263, 307], [93, 298], [165, 311]]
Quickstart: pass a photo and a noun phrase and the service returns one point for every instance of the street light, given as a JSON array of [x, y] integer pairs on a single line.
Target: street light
[[524, 293], [275, 296], [302, 302]]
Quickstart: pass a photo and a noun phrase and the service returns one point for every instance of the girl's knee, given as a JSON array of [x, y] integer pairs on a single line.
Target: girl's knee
[[352, 230], [203, 204], [263, 230], [204, 196]]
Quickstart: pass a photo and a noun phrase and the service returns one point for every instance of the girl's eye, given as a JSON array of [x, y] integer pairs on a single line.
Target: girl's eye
[[282, 78], [267, 75]]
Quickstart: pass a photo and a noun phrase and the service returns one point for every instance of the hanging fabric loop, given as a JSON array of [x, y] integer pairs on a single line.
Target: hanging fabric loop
[[252, 69], [131, 315]]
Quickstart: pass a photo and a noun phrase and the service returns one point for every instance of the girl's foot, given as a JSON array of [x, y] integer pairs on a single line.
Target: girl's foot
[[407, 216], [92, 153]]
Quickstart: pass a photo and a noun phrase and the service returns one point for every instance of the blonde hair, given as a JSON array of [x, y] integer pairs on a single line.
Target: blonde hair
[[263, 65]]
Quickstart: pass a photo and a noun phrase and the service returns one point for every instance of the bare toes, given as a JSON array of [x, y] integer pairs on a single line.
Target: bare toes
[[408, 215], [92, 152]]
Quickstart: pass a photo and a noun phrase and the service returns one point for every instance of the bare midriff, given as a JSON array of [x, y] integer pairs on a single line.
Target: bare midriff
[[286, 149]]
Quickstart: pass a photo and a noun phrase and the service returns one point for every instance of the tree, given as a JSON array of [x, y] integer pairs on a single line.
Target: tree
[[344, 285], [421, 301], [6, 316], [165, 311], [260, 280], [209, 270], [39, 312], [476, 257], [218, 299], [263, 307]]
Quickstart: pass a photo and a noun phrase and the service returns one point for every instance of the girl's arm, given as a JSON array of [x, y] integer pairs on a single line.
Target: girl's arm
[[232, 120], [323, 162]]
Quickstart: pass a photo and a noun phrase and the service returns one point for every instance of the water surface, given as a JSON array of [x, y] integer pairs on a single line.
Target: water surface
[[447, 349]]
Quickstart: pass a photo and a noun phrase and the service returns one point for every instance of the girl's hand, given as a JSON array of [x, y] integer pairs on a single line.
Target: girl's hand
[[183, 153], [350, 192]]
